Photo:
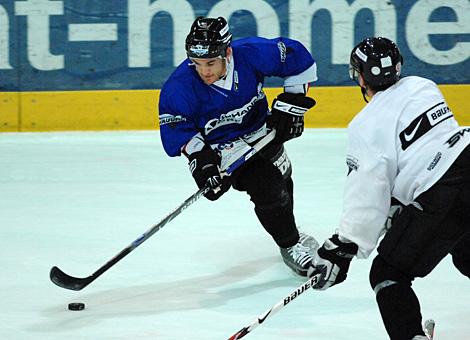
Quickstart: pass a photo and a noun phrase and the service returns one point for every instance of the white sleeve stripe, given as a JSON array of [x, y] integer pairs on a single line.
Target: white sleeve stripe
[[307, 76], [195, 144], [297, 89]]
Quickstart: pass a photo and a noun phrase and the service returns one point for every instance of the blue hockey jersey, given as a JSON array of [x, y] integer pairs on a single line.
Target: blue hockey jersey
[[188, 106]]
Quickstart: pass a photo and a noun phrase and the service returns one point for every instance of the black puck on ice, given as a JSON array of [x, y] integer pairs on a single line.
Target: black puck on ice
[[76, 306]]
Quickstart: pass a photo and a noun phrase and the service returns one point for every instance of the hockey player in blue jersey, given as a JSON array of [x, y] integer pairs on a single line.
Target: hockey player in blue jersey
[[214, 103]]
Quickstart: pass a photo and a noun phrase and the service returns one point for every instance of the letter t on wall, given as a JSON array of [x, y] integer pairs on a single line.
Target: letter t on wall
[[37, 13]]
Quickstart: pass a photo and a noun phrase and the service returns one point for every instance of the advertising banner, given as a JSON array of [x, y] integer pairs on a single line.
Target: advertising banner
[[61, 45]]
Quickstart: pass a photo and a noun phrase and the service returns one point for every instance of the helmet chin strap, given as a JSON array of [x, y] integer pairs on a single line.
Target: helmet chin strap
[[363, 89], [364, 94], [226, 69]]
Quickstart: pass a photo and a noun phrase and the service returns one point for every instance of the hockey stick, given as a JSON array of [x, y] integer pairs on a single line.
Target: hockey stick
[[276, 308], [66, 281]]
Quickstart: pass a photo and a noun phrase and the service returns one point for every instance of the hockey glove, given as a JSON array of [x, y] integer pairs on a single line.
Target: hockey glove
[[331, 263], [287, 115], [395, 210], [205, 168]]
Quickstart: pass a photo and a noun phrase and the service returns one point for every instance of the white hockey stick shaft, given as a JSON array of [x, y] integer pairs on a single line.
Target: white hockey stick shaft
[[252, 151], [276, 308]]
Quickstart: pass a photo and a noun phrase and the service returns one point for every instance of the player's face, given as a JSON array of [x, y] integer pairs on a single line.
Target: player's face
[[211, 69]]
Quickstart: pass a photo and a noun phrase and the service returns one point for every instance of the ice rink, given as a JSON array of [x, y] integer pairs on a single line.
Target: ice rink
[[77, 199]]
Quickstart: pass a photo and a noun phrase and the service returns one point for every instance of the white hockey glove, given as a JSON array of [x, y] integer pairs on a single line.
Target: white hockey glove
[[331, 263]]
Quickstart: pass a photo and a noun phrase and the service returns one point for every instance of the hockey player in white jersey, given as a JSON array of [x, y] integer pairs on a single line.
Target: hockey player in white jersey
[[213, 105], [408, 178]]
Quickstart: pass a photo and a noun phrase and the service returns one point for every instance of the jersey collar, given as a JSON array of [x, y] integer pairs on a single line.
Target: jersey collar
[[227, 81]]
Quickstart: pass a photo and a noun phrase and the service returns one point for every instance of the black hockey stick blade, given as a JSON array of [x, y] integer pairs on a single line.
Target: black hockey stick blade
[[69, 282]]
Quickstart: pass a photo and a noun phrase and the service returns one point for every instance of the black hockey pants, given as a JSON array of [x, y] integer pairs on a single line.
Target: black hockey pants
[[271, 192], [417, 241]]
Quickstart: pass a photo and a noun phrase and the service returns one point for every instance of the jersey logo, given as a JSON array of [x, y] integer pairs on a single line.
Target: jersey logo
[[409, 137], [235, 81], [435, 160], [167, 118], [282, 51], [423, 123], [455, 138], [352, 163], [233, 117]]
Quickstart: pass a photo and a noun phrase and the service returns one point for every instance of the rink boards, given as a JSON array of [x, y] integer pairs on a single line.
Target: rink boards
[[98, 65], [138, 109]]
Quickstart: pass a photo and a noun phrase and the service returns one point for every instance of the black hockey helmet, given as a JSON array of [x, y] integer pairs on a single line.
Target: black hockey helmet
[[208, 38], [379, 61]]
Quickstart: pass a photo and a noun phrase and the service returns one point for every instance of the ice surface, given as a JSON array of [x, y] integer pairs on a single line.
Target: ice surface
[[76, 199]]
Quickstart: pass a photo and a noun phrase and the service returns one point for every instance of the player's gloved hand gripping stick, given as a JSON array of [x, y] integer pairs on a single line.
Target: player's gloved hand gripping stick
[[66, 281], [205, 168]]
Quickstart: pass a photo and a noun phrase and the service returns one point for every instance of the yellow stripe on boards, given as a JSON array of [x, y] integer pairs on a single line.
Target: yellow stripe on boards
[[336, 106], [457, 97], [9, 111], [89, 110], [138, 109]]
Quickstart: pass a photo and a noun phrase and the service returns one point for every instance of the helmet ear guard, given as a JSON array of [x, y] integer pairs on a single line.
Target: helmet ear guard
[[379, 62], [208, 38]]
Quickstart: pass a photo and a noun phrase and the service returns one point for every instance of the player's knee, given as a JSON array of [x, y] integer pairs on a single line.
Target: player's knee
[[378, 275], [462, 264], [383, 275], [267, 190], [274, 200], [461, 254]]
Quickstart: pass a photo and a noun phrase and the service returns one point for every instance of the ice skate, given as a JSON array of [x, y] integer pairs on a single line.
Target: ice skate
[[299, 256], [428, 328]]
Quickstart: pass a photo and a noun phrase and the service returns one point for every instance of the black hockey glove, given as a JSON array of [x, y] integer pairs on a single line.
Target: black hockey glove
[[331, 263], [395, 210], [204, 166], [287, 115]]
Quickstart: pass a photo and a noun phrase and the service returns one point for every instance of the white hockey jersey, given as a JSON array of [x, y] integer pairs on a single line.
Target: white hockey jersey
[[399, 145]]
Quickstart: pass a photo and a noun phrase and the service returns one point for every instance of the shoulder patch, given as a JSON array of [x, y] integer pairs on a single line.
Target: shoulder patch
[[167, 118], [352, 163], [282, 51]]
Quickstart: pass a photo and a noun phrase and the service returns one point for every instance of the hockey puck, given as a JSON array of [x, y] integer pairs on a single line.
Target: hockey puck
[[76, 306]]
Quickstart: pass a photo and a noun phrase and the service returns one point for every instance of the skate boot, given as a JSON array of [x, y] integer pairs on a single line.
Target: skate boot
[[428, 328], [299, 256]]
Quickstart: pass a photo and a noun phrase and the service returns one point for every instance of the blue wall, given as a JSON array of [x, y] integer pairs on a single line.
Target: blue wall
[[50, 45]]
